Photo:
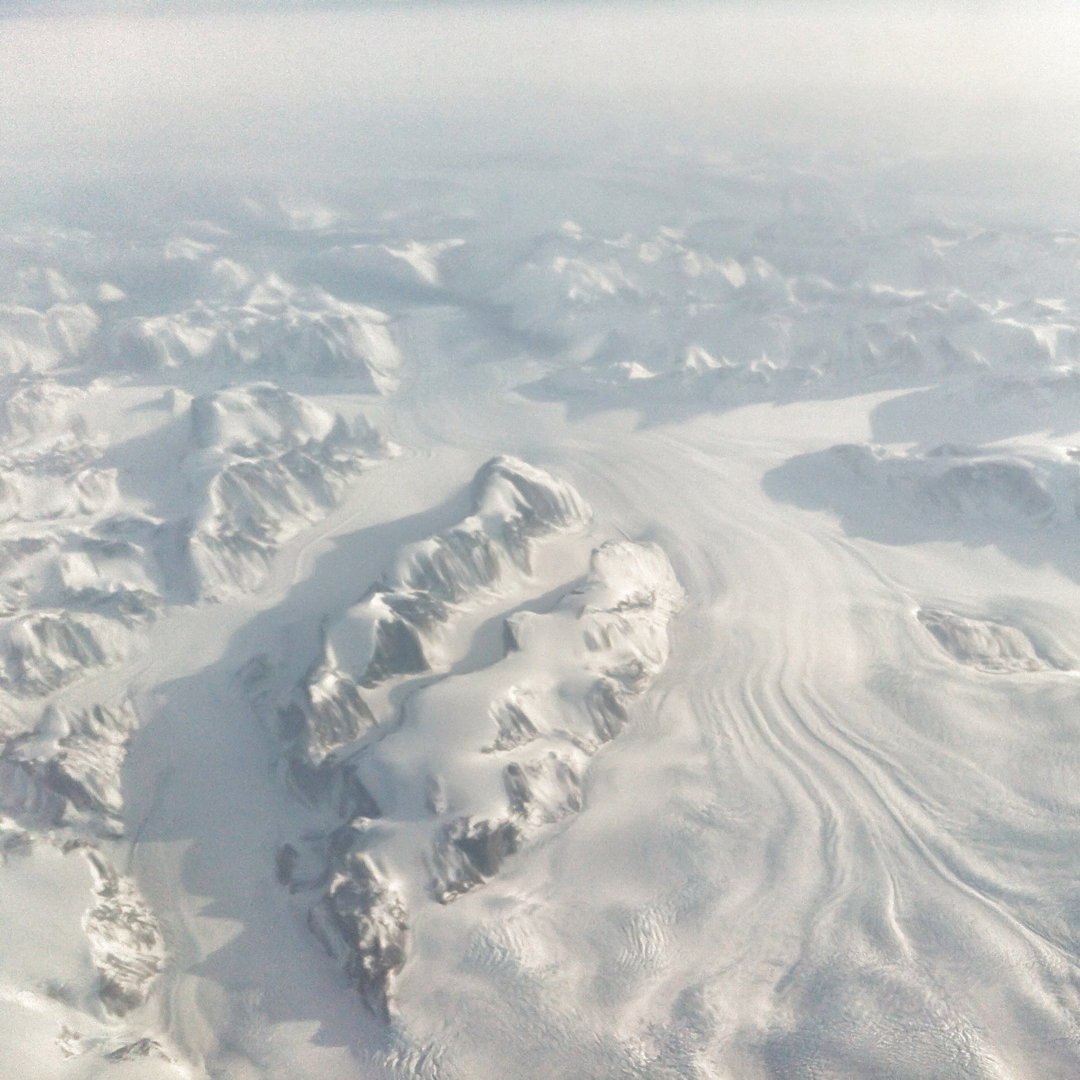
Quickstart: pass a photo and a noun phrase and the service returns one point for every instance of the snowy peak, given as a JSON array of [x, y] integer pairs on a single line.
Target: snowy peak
[[265, 464], [245, 419], [397, 628], [277, 329]]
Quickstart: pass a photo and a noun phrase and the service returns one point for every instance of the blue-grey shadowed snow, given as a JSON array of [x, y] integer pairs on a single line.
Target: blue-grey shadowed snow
[[988, 410], [1024, 504]]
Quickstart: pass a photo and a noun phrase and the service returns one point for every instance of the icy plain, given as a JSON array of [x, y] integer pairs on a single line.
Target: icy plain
[[580, 602]]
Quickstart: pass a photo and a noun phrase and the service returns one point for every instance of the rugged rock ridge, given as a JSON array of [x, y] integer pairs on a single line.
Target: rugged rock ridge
[[79, 574], [60, 785], [126, 945], [326, 714], [360, 920], [44, 650], [772, 324], [66, 770], [276, 327], [81, 577], [73, 586], [396, 629], [479, 764], [574, 672], [264, 464]]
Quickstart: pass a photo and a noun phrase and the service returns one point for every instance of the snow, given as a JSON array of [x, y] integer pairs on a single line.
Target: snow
[[276, 328], [32, 340], [396, 629], [539, 547], [565, 684]]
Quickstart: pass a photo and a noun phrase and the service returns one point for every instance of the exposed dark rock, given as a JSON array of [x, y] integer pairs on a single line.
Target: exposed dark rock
[[126, 945], [466, 852], [361, 923], [140, 1048], [515, 728]]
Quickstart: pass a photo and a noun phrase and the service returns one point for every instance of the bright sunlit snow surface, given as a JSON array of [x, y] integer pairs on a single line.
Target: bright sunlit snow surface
[[539, 543]]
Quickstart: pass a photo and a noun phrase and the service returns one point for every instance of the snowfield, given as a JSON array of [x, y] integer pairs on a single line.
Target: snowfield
[[572, 602]]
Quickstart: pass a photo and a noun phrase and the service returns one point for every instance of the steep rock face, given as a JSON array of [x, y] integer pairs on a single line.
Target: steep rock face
[[543, 791], [466, 852], [395, 630], [325, 714], [44, 650], [479, 764], [276, 328], [514, 715], [24, 797]]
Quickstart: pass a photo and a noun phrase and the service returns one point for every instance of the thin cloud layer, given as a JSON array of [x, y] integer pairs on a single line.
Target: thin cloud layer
[[246, 88]]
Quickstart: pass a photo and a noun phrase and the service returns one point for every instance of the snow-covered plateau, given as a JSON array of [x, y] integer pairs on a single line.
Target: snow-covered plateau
[[518, 566]]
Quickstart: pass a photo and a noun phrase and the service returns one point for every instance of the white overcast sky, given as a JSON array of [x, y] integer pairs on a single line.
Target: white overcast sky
[[98, 86]]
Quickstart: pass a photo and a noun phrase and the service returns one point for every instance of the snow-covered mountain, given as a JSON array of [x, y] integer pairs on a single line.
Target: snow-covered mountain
[[517, 564]]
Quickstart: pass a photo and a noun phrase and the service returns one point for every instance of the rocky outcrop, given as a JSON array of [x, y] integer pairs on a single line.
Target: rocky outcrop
[[126, 946], [466, 852], [264, 464], [361, 922], [988, 644], [396, 629], [449, 810]]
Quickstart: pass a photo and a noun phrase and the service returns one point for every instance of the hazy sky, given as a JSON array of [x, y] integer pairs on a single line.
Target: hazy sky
[[278, 87]]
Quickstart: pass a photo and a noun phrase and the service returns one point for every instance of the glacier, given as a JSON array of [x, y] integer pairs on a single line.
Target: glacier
[[539, 541]]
